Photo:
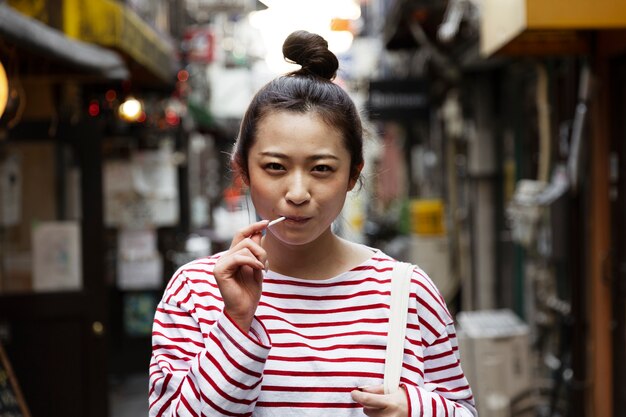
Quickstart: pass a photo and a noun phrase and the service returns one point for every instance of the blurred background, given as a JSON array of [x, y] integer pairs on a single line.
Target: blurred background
[[495, 160]]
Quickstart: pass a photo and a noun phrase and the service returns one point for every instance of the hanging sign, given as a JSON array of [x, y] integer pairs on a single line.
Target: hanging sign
[[398, 99]]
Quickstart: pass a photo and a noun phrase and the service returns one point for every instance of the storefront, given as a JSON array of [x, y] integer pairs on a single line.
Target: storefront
[[536, 92], [55, 300]]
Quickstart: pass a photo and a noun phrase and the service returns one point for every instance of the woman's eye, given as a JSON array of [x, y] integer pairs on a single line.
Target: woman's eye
[[273, 166], [322, 168]]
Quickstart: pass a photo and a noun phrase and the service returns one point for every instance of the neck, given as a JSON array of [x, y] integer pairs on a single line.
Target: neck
[[322, 258]]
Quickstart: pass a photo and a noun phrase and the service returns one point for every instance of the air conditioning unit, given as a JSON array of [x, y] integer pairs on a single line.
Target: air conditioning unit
[[495, 355]]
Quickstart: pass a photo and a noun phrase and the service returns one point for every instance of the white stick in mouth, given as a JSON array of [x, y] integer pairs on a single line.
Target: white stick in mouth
[[278, 220]]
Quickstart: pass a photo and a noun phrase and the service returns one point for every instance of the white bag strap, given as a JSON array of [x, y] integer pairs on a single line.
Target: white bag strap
[[398, 311]]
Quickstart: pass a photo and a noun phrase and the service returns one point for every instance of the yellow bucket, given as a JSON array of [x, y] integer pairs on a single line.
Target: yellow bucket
[[427, 217]]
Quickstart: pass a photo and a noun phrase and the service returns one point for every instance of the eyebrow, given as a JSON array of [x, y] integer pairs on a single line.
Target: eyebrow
[[312, 157]]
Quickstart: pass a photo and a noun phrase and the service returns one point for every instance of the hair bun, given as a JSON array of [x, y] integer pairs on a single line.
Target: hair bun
[[310, 51]]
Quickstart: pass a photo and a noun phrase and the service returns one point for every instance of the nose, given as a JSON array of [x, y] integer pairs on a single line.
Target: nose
[[297, 189]]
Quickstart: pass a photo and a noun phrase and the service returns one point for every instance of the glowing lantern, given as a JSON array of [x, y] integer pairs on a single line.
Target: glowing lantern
[[4, 89], [130, 110]]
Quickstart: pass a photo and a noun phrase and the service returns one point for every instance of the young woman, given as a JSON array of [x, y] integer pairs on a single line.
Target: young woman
[[292, 319]]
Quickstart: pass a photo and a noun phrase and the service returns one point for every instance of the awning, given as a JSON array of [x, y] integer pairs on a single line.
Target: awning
[[115, 25], [541, 26], [43, 40]]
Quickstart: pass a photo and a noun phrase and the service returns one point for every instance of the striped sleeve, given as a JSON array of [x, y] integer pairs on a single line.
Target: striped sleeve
[[446, 391], [217, 373]]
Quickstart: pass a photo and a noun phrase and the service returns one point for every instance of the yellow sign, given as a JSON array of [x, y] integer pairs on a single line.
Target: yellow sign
[[504, 21], [113, 24], [427, 217], [108, 23]]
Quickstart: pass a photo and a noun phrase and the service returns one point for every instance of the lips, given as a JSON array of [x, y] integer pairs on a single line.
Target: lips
[[297, 219]]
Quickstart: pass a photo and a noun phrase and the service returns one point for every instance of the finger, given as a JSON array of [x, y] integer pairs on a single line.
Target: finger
[[251, 245], [373, 389], [369, 400], [374, 412], [230, 264], [256, 238], [250, 260], [249, 230], [258, 274]]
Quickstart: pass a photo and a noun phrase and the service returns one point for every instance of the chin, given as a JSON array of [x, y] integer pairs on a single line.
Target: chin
[[293, 241], [298, 239]]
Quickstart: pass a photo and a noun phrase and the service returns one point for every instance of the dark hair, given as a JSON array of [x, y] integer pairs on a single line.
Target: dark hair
[[308, 89]]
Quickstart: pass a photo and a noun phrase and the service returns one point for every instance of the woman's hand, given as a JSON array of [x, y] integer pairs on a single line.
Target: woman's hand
[[239, 274], [377, 404]]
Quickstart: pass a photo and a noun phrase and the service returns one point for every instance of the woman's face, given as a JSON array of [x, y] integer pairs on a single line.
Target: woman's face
[[299, 168]]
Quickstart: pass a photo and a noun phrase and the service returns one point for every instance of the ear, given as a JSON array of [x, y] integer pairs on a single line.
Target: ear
[[234, 166], [355, 176]]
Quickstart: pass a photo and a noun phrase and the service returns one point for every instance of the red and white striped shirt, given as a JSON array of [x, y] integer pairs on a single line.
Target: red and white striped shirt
[[310, 344]]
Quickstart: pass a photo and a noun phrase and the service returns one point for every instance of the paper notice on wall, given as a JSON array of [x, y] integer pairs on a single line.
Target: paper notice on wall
[[117, 191], [57, 259], [139, 264], [136, 243], [142, 191], [140, 274], [154, 174], [131, 210]]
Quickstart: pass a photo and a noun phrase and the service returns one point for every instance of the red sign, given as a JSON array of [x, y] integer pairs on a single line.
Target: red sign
[[199, 45]]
